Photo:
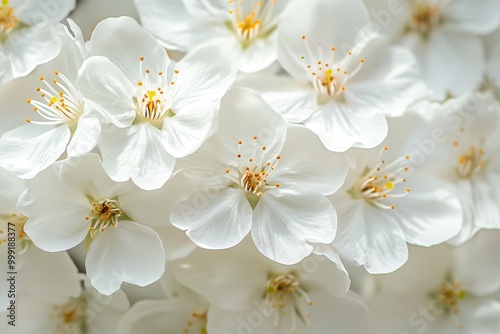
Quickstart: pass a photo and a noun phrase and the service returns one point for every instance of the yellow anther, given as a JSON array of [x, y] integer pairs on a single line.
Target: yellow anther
[[389, 185]]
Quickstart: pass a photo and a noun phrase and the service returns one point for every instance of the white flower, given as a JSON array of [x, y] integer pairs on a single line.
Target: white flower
[[64, 124], [248, 27], [309, 297], [249, 178], [85, 312], [442, 290], [84, 204], [468, 157], [41, 276], [445, 37], [161, 110], [343, 83], [28, 33], [388, 201]]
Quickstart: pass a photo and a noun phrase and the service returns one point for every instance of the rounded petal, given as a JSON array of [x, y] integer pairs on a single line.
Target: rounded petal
[[341, 126], [31, 148], [389, 80], [123, 41], [438, 55], [137, 153], [84, 174], [107, 91], [175, 27], [86, 136], [56, 218], [430, 213], [294, 99], [284, 225], [244, 114], [205, 75], [188, 129], [130, 253], [369, 236], [306, 165], [470, 17], [216, 220], [55, 272]]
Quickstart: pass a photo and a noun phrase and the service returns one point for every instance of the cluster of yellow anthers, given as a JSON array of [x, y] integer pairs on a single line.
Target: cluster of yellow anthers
[[378, 183], [104, 213], [285, 290], [61, 103], [252, 174], [8, 20], [327, 78], [152, 104], [471, 161], [200, 317], [248, 24], [424, 15]]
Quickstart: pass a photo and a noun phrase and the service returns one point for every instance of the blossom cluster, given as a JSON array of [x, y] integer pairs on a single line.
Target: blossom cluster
[[241, 166]]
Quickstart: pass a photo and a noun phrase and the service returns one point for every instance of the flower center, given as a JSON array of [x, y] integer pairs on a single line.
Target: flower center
[[285, 295], [197, 320], [470, 162], [252, 170], [14, 222], [8, 21], [380, 183], [250, 20], [447, 298], [424, 16], [154, 96], [103, 213], [71, 317], [329, 77], [62, 104]]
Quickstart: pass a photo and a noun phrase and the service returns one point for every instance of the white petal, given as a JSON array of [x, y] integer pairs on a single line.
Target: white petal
[[31, 148], [223, 277], [284, 225], [479, 315], [341, 126], [369, 236], [137, 153], [174, 26], [56, 218], [306, 165], [123, 41], [205, 75], [34, 46], [86, 136], [430, 213], [12, 187], [331, 274], [84, 174], [216, 220], [130, 253], [294, 99], [438, 55], [160, 316], [260, 54], [107, 91], [188, 129], [474, 257], [245, 114], [400, 73], [470, 17], [55, 272]]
